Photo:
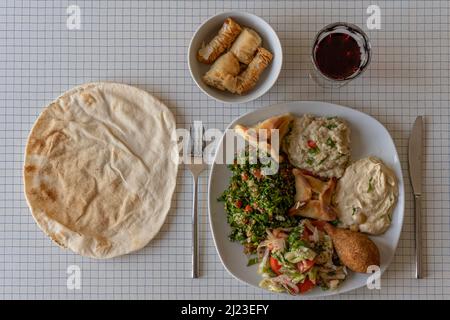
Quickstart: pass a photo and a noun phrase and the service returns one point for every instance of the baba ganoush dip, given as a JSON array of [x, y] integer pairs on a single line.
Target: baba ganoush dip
[[366, 196], [318, 144]]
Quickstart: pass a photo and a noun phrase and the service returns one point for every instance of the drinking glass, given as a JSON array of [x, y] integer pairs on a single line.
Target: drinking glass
[[340, 52]]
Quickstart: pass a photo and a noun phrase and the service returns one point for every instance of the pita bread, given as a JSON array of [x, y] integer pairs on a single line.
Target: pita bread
[[250, 134], [100, 169]]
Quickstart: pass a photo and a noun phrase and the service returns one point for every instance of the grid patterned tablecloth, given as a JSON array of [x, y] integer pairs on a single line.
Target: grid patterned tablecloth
[[144, 43]]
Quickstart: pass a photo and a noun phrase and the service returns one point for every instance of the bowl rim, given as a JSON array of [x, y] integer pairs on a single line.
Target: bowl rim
[[248, 97]]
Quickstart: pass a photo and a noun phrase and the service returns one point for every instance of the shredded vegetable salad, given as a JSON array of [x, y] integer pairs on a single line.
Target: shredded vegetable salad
[[297, 259]]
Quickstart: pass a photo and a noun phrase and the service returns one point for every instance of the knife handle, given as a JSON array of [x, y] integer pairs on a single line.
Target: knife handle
[[418, 235]]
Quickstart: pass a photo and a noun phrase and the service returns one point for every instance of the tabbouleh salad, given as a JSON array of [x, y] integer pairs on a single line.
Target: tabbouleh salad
[[255, 202]]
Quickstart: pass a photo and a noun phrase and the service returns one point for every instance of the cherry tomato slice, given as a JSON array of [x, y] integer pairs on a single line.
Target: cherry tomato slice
[[275, 265], [305, 285], [312, 144], [305, 265], [257, 173]]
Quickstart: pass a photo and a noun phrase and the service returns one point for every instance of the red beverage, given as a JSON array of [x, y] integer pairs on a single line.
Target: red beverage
[[341, 52], [338, 56]]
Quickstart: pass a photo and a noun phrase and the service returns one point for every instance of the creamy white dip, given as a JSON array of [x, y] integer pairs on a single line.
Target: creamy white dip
[[366, 196]]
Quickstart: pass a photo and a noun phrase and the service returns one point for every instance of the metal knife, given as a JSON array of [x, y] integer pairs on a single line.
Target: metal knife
[[415, 155]]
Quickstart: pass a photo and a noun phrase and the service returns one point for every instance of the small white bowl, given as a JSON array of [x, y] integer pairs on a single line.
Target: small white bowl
[[270, 41]]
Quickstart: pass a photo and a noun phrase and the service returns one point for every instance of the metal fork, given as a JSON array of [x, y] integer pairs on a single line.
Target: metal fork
[[196, 166]]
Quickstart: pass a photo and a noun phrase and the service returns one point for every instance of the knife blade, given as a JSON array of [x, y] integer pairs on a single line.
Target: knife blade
[[415, 157]]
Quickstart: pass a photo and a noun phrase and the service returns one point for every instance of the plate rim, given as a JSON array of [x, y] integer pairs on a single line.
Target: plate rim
[[400, 200]]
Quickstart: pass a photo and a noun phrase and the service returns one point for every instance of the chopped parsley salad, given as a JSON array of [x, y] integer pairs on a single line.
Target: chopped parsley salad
[[255, 202], [294, 254]]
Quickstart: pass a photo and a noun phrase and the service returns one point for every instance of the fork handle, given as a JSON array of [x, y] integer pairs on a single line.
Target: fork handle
[[195, 272], [418, 234]]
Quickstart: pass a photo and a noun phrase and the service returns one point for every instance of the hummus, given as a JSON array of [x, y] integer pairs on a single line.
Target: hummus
[[366, 196], [319, 145]]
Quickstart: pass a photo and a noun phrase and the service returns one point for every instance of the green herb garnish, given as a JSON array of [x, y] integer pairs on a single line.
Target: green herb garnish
[[331, 126], [323, 160], [310, 161], [331, 143], [294, 239], [314, 151], [353, 211]]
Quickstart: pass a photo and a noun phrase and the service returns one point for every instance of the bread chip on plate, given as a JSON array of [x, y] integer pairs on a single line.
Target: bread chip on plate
[[251, 134]]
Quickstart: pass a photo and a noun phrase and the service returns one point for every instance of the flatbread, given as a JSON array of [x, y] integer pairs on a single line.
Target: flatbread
[[100, 169]]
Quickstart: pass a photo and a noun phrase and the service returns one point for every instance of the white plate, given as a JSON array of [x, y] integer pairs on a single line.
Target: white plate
[[368, 137]]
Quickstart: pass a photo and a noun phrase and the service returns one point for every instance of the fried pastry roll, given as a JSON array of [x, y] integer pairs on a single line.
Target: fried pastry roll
[[222, 41], [249, 77], [246, 44], [226, 67]]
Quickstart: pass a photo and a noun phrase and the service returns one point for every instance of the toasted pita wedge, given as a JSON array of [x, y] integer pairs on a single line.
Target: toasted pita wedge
[[252, 136], [281, 123]]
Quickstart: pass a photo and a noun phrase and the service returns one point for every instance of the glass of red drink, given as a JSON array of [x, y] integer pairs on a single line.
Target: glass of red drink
[[341, 52]]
